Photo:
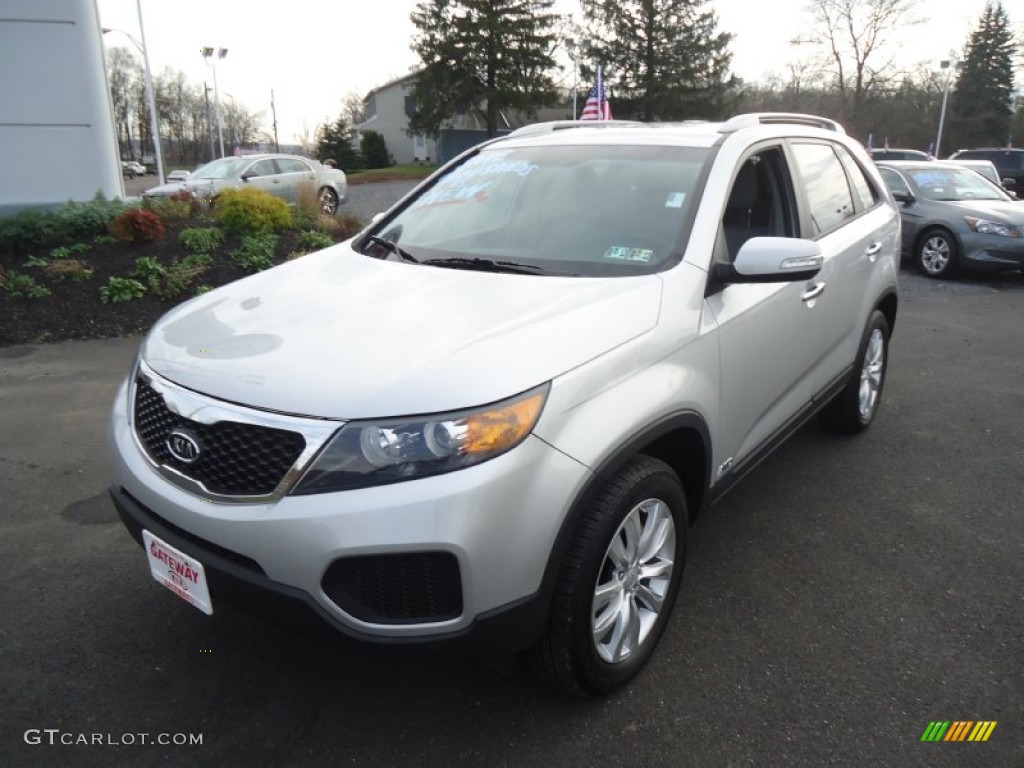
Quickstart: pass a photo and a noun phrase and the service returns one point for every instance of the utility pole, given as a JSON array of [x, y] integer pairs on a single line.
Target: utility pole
[[209, 122], [273, 111]]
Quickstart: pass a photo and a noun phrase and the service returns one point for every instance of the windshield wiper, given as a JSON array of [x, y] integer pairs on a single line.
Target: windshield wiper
[[489, 265], [394, 247]]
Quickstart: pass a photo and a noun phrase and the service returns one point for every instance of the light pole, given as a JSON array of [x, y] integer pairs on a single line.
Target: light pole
[[208, 54], [952, 65], [570, 46], [154, 122]]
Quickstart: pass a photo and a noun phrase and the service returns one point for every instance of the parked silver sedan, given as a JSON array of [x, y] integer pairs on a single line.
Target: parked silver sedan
[[953, 217], [280, 175]]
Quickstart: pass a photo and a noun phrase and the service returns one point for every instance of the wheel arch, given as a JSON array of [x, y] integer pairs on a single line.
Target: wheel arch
[[888, 305], [682, 441], [927, 229]]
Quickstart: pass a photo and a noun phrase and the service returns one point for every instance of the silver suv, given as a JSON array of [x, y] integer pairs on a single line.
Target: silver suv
[[492, 416]]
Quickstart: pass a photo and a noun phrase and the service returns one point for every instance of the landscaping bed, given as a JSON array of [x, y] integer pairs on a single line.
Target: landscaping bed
[[91, 270]]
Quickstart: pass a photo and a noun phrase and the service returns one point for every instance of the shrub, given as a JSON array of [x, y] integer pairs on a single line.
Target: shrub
[[375, 150], [35, 228], [105, 240], [307, 206], [120, 289], [349, 225], [250, 211], [67, 251], [36, 261], [151, 271], [18, 285], [27, 230], [136, 225], [171, 210], [201, 289], [312, 241], [68, 269], [181, 273], [201, 239], [256, 252]]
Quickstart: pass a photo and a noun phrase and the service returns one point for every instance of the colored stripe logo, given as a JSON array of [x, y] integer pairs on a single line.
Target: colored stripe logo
[[958, 730]]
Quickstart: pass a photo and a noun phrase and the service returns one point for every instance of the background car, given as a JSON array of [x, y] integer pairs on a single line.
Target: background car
[[1008, 161], [954, 217], [178, 175], [280, 175], [899, 154], [987, 169], [131, 168]]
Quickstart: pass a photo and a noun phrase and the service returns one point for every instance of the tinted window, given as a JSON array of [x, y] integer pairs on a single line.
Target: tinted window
[[291, 165], [824, 181], [863, 189], [894, 181], [262, 168]]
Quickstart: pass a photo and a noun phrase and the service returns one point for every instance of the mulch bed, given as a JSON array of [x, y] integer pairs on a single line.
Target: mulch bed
[[74, 309]]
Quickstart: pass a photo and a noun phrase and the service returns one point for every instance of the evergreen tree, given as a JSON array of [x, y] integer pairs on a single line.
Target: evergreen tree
[[334, 142], [662, 59], [982, 99], [483, 57]]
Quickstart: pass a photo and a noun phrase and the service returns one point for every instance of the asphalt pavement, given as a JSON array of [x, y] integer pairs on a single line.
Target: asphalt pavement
[[846, 594]]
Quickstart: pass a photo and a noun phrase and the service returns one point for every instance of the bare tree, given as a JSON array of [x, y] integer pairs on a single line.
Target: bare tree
[[352, 107], [858, 40], [124, 76]]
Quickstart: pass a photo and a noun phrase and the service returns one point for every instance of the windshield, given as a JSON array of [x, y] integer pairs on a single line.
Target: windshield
[[225, 168], [579, 210], [954, 184]]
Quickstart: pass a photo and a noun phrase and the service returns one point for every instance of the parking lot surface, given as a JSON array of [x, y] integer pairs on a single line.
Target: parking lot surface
[[845, 595]]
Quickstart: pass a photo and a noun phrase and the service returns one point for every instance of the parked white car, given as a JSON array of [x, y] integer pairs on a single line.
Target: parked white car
[[492, 416], [280, 175]]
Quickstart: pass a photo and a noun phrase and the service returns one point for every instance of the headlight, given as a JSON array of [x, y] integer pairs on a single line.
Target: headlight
[[986, 227], [365, 453]]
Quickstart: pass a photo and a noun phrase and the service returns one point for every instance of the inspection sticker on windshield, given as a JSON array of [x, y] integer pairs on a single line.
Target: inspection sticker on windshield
[[622, 253], [181, 574], [675, 200]]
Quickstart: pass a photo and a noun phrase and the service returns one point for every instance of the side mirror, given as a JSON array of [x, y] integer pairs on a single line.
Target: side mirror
[[248, 175], [773, 260], [904, 197], [1008, 182]]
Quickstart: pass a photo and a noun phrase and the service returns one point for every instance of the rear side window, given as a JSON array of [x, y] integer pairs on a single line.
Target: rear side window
[[864, 191], [825, 186], [894, 181]]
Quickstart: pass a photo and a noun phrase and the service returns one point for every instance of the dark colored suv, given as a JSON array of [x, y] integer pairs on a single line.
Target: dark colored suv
[[1009, 162]]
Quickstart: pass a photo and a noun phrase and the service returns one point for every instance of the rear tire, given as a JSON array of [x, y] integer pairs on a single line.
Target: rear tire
[[328, 201], [853, 409], [618, 581]]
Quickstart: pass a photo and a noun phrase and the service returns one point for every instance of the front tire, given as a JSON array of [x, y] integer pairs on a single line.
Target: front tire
[[937, 254], [854, 408], [618, 581], [328, 201]]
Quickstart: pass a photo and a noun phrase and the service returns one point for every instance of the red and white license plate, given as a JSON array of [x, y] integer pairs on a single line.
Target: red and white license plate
[[181, 574]]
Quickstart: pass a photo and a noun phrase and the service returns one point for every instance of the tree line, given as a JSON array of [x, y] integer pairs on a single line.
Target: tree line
[[668, 60]]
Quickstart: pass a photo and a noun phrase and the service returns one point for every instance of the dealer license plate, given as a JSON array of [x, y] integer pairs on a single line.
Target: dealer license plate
[[181, 574]]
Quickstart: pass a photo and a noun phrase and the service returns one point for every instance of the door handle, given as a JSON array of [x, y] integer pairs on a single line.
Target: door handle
[[814, 292], [872, 252]]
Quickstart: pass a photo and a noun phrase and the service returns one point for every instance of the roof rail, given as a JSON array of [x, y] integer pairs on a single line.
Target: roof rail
[[535, 129], [776, 118]]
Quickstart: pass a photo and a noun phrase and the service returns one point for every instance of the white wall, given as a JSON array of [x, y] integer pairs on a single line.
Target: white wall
[[57, 136]]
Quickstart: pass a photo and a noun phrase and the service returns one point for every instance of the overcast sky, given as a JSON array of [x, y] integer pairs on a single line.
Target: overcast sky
[[313, 53]]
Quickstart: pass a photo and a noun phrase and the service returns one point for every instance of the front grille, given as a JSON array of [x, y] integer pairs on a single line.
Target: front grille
[[408, 588], [235, 459]]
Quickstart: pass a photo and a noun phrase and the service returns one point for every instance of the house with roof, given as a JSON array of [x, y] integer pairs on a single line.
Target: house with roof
[[387, 109]]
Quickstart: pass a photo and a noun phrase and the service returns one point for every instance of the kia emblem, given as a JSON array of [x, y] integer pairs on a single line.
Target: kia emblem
[[183, 446]]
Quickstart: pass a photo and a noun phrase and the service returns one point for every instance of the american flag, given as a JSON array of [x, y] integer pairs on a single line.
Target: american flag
[[597, 106]]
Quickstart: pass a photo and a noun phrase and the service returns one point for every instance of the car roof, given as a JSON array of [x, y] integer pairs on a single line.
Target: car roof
[[690, 133], [924, 165]]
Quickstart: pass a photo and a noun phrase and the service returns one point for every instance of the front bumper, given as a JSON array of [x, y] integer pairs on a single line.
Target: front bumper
[[991, 252], [498, 520]]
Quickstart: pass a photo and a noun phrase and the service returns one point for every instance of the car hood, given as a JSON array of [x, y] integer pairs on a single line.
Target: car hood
[[340, 335], [1008, 211]]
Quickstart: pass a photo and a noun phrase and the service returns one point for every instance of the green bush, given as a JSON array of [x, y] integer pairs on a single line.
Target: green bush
[[151, 271], [251, 211], [170, 210], [36, 228], [313, 241], [18, 285], [120, 289], [375, 150], [201, 239], [136, 226], [256, 252], [181, 273]]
